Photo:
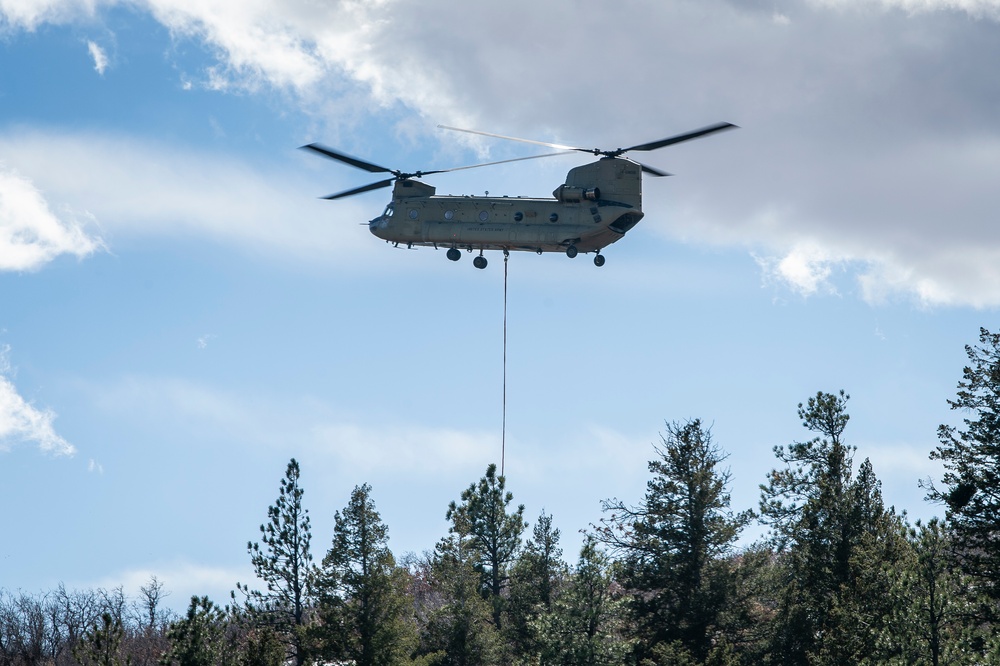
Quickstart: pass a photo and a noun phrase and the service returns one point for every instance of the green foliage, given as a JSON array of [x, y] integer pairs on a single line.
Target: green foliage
[[495, 534], [672, 543], [261, 647], [284, 564], [839, 580], [837, 534], [460, 629], [585, 625], [971, 458], [199, 638], [363, 605], [930, 611], [535, 582], [101, 644]]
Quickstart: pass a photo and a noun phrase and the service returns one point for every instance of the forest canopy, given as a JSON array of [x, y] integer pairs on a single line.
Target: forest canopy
[[839, 578]]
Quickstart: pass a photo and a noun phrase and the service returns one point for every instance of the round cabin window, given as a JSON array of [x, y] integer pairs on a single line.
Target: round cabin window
[[518, 216], [449, 214], [413, 213], [553, 217], [484, 215]]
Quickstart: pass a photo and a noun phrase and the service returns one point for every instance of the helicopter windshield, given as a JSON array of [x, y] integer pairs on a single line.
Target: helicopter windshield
[[388, 211]]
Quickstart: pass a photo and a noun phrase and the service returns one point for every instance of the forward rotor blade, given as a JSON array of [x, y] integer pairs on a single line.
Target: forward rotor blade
[[364, 188], [516, 159], [514, 138], [687, 136], [346, 159]]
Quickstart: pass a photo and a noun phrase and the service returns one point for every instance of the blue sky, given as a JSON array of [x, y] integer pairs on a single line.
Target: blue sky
[[180, 314]]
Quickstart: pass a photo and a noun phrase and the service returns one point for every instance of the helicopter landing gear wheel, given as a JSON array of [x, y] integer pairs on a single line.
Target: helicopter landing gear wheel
[[454, 254], [599, 260], [571, 251], [479, 262]]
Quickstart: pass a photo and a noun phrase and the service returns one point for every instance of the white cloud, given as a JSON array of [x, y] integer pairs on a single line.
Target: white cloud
[[180, 193], [99, 56], [20, 421], [95, 467], [29, 14], [180, 579], [31, 235], [805, 269], [411, 448], [976, 8], [886, 150], [151, 399]]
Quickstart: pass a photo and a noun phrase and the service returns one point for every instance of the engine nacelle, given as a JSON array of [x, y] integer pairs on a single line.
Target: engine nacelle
[[570, 194]]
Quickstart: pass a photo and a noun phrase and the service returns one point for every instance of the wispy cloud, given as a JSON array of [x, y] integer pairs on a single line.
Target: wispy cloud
[[180, 579], [31, 235], [99, 56], [181, 193], [22, 422], [411, 448], [804, 269]]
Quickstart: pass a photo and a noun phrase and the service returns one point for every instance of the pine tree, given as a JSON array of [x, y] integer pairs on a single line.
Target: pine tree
[[101, 645], [362, 602], [971, 458], [835, 535], [585, 625], [199, 638], [460, 630], [930, 607], [535, 582], [284, 564], [672, 544], [495, 534]]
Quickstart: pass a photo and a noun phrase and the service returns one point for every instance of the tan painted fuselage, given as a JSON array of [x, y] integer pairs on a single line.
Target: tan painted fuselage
[[596, 206]]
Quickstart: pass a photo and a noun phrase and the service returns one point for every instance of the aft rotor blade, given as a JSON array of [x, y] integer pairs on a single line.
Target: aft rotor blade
[[653, 171], [347, 159], [514, 138], [364, 188], [687, 136]]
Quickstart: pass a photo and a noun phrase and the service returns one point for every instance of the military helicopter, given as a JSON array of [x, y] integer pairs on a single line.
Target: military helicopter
[[596, 206]]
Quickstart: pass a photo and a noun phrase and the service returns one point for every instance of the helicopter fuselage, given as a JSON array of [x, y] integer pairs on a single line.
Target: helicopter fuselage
[[596, 206]]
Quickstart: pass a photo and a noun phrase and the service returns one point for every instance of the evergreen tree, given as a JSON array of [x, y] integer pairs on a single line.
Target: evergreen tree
[[101, 645], [535, 581], [836, 536], [971, 458], [284, 564], [261, 646], [362, 602], [495, 534], [459, 631], [199, 638], [584, 626], [929, 624], [673, 544]]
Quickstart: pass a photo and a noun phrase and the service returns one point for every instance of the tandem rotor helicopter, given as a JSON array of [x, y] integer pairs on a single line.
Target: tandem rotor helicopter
[[596, 206]]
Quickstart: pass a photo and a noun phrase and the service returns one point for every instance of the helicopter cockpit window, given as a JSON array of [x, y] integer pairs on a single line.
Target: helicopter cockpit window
[[388, 211]]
